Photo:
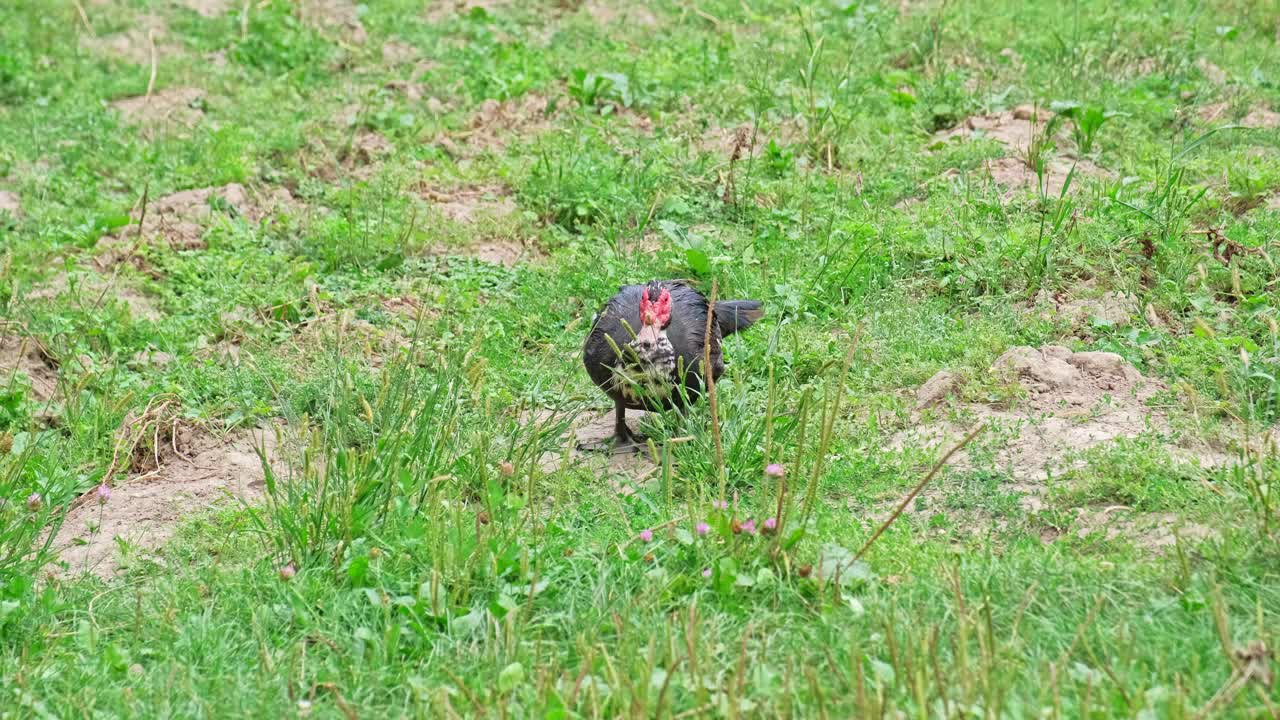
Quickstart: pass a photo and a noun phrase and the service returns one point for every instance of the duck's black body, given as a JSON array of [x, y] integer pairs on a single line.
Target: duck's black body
[[659, 364]]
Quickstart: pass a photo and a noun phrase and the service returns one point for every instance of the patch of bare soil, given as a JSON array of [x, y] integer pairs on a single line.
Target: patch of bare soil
[[495, 123], [489, 207], [90, 292], [208, 8], [179, 220], [747, 141], [1149, 531], [1015, 128], [468, 204], [625, 472], [414, 92], [1014, 174], [1212, 73], [169, 109], [441, 10], [10, 204], [358, 154], [1018, 129], [395, 52], [651, 243], [362, 157], [1073, 401], [338, 16], [194, 472], [1085, 307], [355, 337], [1259, 117], [506, 252], [608, 12], [134, 45], [25, 355]]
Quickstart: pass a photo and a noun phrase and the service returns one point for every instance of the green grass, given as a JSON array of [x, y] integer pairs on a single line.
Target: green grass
[[435, 581]]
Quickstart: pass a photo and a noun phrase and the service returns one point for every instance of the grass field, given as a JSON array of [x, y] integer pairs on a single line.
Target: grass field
[[292, 300]]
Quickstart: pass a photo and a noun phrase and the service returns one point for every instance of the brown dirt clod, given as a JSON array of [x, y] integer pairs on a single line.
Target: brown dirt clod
[[1015, 174], [937, 389], [180, 219], [173, 108], [1017, 129], [396, 52], [1073, 401]]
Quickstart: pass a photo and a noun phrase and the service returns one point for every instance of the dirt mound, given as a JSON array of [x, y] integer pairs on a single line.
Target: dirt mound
[[1073, 401], [1258, 117], [338, 16], [180, 219], [10, 204], [1015, 174], [396, 52], [488, 206], [134, 45], [471, 203], [208, 8], [1084, 307], [1015, 128], [442, 10], [144, 511], [1149, 531], [746, 141], [496, 123], [367, 148], [1212, 72], [173, 108], [90, 291], [605, 12], [506, 254], [495, 251], [353, 337], [25, 356], [355, 153]]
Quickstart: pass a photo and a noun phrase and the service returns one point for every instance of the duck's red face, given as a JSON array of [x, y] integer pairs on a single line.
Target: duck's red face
[[655, 311]]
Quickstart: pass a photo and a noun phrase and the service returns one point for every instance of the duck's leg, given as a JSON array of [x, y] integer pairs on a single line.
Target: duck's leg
[[623, 440]]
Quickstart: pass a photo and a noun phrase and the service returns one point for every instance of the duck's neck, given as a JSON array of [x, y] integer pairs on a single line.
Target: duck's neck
[[655, 374]]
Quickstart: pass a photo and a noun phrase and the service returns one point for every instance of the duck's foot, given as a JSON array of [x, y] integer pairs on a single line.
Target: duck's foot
[[628, 444]]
